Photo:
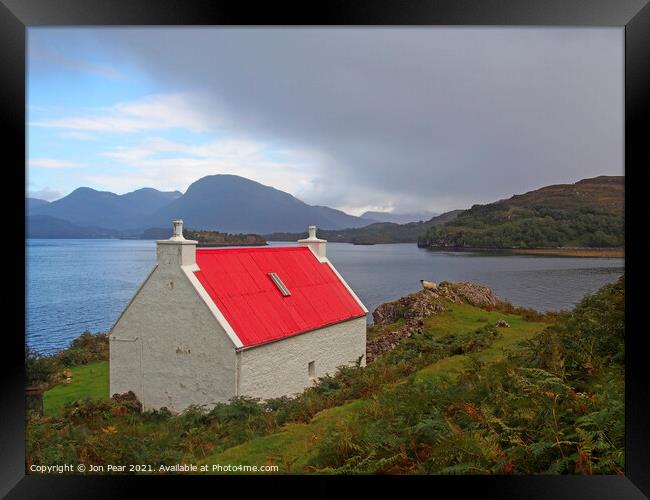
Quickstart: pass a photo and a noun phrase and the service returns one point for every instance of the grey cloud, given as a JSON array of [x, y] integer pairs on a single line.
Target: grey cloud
[[419, 118]]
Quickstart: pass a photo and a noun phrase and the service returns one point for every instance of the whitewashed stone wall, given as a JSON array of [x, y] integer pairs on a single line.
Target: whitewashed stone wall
[[167, 347], [281, 368]]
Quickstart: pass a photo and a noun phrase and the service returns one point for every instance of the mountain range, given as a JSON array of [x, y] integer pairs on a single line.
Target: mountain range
[[88, 207], [589, 213], [226, 203]]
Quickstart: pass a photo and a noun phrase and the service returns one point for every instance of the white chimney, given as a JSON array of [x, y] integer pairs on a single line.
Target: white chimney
[[315, 244], [176, 251]]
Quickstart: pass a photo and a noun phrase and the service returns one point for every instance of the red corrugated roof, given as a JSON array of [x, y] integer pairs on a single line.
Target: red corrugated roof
[[237, 280]]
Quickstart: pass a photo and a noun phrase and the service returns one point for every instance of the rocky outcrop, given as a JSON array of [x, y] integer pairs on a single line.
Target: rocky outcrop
[[414, 308], [469, 293], [429, 301]]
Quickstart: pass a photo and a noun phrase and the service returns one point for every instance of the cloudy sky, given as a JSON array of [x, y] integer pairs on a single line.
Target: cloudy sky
[[354, 118]]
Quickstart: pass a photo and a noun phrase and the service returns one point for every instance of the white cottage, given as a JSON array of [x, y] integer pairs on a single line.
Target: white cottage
[[213, 323]]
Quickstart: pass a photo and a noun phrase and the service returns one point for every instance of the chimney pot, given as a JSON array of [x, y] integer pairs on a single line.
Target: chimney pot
[[178, 230]]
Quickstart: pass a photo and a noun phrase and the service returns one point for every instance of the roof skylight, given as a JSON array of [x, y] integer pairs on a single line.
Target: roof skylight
[[281, 286]]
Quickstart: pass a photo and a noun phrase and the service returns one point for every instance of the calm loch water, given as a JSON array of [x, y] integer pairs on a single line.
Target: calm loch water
[[78, 285]]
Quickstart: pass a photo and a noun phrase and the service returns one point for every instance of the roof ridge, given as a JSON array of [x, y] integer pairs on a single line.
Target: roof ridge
[[249, 249]]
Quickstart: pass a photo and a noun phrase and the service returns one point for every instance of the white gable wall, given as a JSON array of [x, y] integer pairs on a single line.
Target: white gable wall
[[168, 348], [281, 368]]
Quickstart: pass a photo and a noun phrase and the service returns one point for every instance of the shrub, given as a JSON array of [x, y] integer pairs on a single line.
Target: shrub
[[87, 348], [39, 369]]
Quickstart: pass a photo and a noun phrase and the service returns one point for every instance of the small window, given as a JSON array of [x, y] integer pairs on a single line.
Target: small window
[[281, 286], [311, 369]]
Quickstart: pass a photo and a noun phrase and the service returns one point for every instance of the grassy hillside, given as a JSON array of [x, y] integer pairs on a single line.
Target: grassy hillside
[[297, 446], [544, 395], [528, 402], [589, 213], [380, 232]]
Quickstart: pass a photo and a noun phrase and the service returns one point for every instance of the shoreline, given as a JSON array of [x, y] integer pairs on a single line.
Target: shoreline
[[574, 252], [552, 252]]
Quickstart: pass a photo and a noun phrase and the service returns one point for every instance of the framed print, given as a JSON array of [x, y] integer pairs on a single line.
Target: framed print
[[366, 241]]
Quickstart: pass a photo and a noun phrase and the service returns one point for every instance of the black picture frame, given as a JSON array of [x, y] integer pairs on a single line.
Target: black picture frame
[[631, 15]]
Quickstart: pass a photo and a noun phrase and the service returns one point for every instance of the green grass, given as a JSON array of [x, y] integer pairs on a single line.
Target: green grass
[[453, 365], [463, 318], [292, 447], [88, 381], [289, 448]]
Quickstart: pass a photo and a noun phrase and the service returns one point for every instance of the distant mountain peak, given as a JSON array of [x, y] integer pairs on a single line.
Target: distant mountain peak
[[234, 204]]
